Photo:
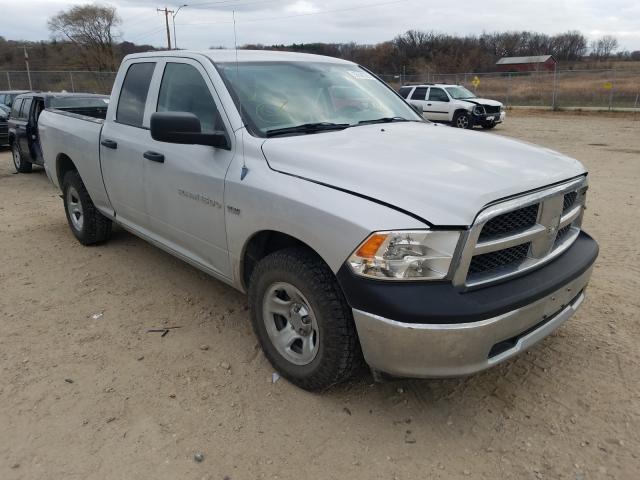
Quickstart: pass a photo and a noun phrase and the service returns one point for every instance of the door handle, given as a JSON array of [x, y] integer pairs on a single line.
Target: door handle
[[109, 144], [153, 156], [428, 104]]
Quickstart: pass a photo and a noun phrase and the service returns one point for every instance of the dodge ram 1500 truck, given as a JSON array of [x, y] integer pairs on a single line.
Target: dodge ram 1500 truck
[[358, 229]]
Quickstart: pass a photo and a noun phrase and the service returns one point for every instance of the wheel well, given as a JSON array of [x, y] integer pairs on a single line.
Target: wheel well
[[459, 110], [64, 166], [264, 243]]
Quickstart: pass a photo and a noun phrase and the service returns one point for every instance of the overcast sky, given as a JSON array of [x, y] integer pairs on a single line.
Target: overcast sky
[[206, 23]]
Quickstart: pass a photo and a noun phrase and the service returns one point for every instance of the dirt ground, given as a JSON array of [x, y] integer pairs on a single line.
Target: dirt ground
[[84, 397]]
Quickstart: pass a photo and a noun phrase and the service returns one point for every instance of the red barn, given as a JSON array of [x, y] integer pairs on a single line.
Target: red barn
[[527, 64]]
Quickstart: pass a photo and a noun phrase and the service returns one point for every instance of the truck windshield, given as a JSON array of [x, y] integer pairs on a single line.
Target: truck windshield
[[460, 93], [280, 95]]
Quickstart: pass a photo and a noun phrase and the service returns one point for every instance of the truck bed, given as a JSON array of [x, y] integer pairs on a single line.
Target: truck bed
[[65, 134]]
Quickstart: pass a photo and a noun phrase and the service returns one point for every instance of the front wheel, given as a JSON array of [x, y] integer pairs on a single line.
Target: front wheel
[[87, 224], [21, 165], [302, 320], [462, 120]]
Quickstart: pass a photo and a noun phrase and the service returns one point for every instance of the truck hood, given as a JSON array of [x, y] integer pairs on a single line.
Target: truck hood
[[443, 175]]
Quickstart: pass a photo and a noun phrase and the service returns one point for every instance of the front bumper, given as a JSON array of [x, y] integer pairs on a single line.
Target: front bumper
[[436, 330], [489, 118]]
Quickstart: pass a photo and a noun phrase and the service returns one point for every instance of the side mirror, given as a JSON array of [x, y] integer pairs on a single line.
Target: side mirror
[[184, 128]]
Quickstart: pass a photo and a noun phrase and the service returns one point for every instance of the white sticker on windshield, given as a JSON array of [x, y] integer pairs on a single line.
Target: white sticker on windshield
[[360, 75]]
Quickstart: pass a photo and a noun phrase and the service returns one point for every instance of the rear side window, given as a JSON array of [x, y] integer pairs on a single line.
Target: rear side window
[[15, 109], [404, 91], [133, 95], [438, 95], [26, 106], [419, 93], [184, 90]]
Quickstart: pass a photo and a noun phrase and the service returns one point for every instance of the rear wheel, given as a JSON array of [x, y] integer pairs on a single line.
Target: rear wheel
[[22, 166], [302, 321], [462, 120], [87, 224]]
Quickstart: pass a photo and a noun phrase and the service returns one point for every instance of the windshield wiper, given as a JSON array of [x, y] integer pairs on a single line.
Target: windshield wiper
[[385, 120], [307, 128]]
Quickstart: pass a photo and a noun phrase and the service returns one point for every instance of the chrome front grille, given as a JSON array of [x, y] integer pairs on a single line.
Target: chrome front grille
[[520, 234], [511, 221], [494, 261]]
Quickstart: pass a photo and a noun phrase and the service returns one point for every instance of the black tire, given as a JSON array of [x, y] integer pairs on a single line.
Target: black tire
[[338, 349], [95, 227], [21, 165], [462, 120], [489, 126]]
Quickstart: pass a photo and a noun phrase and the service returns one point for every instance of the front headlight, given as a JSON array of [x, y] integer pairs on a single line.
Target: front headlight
[[406, 255], [478, 110]]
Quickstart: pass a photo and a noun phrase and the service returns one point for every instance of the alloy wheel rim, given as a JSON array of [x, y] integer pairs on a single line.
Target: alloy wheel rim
[[290, 323], [74, 208], [463, 121], [16, 156]]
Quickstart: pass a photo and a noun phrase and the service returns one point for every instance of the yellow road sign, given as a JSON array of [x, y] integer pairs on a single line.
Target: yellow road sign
[[607, 85], [475, 82]]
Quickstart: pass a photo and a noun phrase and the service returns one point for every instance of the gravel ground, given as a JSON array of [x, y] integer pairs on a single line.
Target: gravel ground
[[87, 393]]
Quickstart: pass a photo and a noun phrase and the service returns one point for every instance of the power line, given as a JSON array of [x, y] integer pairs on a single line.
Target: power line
[[282, 17]]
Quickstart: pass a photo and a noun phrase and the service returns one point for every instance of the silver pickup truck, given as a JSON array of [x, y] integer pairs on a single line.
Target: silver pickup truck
[[358, 230]]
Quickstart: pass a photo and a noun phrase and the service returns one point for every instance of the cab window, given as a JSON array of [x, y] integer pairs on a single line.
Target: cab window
[[15, 108], [184, 90], [133, 94], [438, 95], [26, 106]]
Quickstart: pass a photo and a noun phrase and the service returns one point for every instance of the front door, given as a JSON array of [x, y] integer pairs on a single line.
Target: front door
[[184, 184], [438, 105], [22, 130]]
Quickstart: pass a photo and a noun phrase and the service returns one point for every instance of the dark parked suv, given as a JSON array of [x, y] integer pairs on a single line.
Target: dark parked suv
[[23, 121], [4, 124]]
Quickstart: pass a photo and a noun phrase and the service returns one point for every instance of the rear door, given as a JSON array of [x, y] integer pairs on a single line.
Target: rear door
[[418, 98], [124, 138], [184, 184], [438, 105]]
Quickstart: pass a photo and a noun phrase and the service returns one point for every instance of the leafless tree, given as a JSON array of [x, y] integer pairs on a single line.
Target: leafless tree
[[604, 47], [91, 29]]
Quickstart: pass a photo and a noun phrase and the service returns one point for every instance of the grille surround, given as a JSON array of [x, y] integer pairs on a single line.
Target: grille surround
[[556, 227]]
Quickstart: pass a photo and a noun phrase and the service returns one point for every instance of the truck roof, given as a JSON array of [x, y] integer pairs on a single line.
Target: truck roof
[[224, 56]]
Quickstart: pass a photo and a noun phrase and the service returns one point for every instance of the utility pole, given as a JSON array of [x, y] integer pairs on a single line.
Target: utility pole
[[26, 62], [166, 20]]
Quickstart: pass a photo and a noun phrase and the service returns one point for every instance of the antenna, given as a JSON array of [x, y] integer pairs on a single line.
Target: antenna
[[235, 39], [245, 170]]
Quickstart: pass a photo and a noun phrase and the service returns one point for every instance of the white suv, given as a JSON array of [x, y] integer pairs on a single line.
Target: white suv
[[455, 104]]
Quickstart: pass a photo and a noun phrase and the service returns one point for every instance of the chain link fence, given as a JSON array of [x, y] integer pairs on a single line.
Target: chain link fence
[[599, 89], [49, 81], [608, 89]]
